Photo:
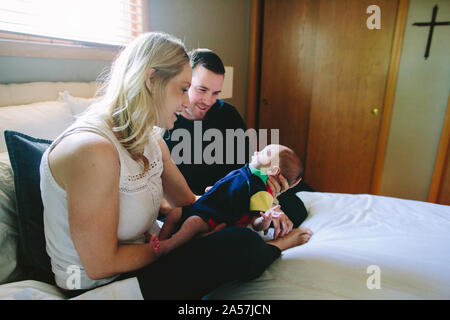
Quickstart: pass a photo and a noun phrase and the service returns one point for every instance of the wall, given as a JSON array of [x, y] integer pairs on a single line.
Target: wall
[[419, 105], [220, 25]]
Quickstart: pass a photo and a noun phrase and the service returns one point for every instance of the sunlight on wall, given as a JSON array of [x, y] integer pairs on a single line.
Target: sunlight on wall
[[103, 21]]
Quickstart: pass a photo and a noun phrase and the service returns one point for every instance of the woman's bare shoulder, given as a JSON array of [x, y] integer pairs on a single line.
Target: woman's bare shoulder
[[83, 152], [83, 144]]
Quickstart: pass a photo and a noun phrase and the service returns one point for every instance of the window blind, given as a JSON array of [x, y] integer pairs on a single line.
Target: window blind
[[91, 22]]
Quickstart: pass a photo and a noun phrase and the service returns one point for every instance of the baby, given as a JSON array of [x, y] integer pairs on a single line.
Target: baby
[[241, 198]]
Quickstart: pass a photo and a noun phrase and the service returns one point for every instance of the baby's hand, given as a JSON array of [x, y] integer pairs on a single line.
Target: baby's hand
[[266, 220]]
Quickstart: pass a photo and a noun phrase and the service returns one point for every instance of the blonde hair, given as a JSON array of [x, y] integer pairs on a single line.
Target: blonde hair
[[125, 102]]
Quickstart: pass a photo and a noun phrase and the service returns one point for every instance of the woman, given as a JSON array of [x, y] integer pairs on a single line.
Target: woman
[[102, 182]]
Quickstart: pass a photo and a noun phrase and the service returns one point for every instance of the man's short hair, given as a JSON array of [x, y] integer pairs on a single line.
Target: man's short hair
[[207, 59]]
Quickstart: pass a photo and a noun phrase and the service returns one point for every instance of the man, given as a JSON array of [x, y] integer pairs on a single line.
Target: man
[[209, 113], [206, 112]]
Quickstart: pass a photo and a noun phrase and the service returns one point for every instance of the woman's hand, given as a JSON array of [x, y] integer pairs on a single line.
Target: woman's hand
[[199, 196], [276, 186], [281, 223]]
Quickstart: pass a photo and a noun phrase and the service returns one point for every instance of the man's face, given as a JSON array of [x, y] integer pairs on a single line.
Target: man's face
[[205, 88]]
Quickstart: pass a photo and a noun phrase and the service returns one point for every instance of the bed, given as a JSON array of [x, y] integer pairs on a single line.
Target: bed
[[363, 247]]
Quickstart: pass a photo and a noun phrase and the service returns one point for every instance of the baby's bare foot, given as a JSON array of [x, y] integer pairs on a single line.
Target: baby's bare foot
[[160, 247], [295, 238], [154, 243]]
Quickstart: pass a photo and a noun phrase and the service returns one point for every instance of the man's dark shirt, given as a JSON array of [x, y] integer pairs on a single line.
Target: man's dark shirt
[[221, 116]]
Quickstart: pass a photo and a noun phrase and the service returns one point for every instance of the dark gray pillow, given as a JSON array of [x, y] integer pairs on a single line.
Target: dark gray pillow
[[25, 154]]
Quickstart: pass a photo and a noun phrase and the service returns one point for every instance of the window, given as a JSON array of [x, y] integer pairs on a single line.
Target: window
[[77, 23]]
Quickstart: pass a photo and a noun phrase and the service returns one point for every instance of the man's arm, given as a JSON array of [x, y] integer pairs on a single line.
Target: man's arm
[[293, 207]]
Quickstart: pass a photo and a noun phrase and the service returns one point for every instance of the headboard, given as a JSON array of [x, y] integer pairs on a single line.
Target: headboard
[[42, 109], [25, 93]]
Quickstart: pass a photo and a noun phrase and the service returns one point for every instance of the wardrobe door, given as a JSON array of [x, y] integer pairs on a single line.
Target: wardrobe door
[[287, 69], [444, 190], [323, 83]]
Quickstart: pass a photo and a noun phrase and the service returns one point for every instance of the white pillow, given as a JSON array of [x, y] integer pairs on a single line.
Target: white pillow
[[44, 120], [9, 244], [76, 104], [7, 192], [9, 234]]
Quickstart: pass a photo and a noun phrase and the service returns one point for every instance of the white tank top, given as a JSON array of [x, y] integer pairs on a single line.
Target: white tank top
[[139, 199]]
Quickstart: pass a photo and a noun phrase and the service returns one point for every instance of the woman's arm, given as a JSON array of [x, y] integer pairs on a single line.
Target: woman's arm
[[87, 167], [282, 225], [176, 189]]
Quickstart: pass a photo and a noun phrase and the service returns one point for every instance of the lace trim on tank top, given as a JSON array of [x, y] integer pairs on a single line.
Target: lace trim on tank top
[[130, 183], [145, 180]]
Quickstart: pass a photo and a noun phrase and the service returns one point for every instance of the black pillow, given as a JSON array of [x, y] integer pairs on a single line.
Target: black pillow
[[25, 154]]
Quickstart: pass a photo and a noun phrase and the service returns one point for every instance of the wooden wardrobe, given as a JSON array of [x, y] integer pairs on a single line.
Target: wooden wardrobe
[[440, 182], [325, 79]]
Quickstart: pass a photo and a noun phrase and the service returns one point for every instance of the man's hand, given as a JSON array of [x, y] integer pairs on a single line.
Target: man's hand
[[277, 186]]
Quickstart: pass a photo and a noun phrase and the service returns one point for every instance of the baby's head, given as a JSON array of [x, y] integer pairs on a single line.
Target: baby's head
[[277, 159]]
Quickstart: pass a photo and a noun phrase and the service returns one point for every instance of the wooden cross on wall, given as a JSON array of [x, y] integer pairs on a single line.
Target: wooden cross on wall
[[431, 24]]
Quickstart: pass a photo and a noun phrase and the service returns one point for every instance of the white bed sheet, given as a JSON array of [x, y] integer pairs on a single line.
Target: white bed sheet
[[127, 289], [409, 241]]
